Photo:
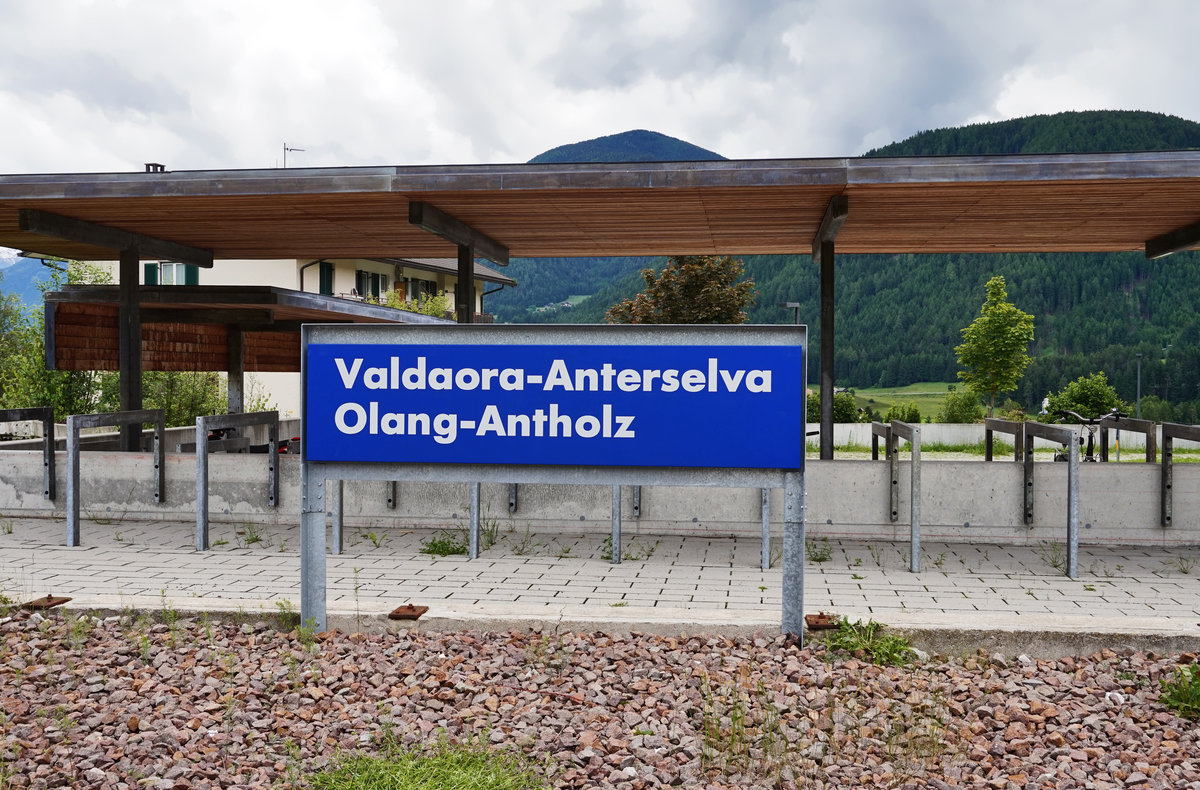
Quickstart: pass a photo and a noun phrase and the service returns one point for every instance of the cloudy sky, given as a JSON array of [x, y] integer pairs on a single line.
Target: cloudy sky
[[109, 84]]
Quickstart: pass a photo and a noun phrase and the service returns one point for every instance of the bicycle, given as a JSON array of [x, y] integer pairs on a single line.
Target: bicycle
[[1090, 425]]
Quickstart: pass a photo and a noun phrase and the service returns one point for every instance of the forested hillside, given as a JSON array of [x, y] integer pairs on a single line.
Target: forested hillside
[[899, 316]]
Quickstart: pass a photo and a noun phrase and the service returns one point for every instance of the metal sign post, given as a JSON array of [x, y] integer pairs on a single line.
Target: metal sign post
[[607, 405]]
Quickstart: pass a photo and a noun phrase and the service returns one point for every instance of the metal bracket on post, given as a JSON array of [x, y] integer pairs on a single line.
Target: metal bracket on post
[[203, 446], [1170, 432], [392, 494], [75, 422], [637, 501], [879, 431], [45, 415], [1015, 429], [913, 434], [512, 497], [1147, 428]]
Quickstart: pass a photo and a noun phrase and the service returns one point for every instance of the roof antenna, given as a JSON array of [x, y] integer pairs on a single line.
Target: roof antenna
[[285, 152]]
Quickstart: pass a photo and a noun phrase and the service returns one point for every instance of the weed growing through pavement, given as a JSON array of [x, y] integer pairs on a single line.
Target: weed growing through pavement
[[563, 551], [250, 534], [1053, 554], [444, 544], [1090, 587], [635, 551], [1181, 693], [876, 554], [857, 577], [526, 545], [220, 542], [1181, 563], [818, 552], [940, 560], [6, 526]]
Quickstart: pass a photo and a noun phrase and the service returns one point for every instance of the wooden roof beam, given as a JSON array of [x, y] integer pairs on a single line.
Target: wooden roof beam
[[455, 231], [45, 223], [1175, 241], [835, 215]]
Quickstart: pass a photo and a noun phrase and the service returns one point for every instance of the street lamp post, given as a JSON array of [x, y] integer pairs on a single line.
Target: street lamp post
[[795, 306], [1139, 386]]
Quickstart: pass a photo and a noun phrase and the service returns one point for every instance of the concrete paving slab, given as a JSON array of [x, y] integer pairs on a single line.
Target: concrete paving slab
[[675, 584]]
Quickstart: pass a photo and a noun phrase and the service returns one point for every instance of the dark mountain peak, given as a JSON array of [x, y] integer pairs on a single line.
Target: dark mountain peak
[[1077, 132], [637, 145]]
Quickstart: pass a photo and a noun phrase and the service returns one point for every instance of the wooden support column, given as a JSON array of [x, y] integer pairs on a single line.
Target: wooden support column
[[464, 292], [129, 350], [235, 389], [823, 252]]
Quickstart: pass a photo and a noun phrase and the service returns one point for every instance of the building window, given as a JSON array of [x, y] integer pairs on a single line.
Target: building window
[[168, 273], [372, 284]]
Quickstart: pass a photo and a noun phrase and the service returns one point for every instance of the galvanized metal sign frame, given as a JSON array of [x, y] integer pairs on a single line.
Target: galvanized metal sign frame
[[314, 473]]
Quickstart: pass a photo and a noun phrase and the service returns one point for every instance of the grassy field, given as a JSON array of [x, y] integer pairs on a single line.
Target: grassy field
[[926, 394]]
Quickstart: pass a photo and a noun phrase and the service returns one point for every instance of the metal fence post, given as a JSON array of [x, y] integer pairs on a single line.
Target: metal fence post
[[766, 528]]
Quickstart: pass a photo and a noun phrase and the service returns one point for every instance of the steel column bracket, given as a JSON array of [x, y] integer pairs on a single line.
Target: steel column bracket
[[45, 415], [225, 422], [1170, 432], [76, 422], [912, 433], [1062, 435]]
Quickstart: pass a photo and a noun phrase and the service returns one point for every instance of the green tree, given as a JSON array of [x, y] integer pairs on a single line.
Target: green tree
[[961, 406], [994, 351], [691, 289], [1087, 396], [24, 380]]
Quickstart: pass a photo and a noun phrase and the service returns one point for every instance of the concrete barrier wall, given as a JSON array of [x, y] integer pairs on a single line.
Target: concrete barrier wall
[[961, 500]]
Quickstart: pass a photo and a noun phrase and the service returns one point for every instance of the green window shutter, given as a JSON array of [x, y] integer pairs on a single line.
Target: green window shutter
[[326, 278], [191, 274], [151, 273]]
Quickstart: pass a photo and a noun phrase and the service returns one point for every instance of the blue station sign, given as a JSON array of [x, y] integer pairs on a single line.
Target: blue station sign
[[732, 406]]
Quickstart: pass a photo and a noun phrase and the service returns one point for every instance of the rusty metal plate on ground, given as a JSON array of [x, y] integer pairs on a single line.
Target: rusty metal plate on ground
[[45, 602], [407, 612], [822, 621]]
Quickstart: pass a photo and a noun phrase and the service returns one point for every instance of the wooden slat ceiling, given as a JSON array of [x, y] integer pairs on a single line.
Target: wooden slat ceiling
[[1101, 202], [83, 325]]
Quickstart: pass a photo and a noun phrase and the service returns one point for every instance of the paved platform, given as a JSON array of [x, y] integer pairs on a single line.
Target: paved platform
[[664, 583]]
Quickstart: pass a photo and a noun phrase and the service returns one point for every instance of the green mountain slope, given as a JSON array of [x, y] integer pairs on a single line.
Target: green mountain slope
[[638, 145], [899, 316]]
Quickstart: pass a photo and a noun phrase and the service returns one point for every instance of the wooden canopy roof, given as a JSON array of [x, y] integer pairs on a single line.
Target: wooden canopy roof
[[1076, 202]]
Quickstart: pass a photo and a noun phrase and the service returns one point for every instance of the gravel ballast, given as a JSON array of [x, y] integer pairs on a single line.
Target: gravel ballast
[[132, 702]]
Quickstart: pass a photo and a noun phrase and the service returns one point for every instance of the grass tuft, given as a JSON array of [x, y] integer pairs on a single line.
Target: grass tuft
[[446, 766], [867, 640]]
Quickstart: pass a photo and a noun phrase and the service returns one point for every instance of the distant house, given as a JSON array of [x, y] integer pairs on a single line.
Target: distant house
[[348, 278]]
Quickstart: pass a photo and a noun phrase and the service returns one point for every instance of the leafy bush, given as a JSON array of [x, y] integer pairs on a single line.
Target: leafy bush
[[1088, 396], [961, 406], [845, 409], [904, 412]]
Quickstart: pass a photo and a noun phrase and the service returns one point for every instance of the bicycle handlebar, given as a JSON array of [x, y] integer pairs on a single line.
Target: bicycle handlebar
[[1063, 414]]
